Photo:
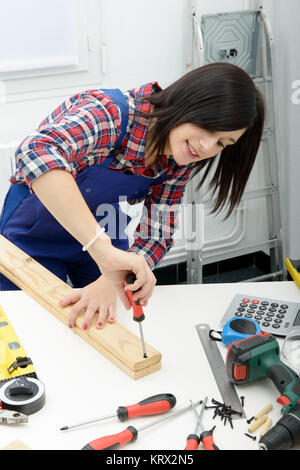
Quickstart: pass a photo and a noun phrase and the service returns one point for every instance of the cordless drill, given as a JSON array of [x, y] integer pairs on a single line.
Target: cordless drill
[[258, 357]]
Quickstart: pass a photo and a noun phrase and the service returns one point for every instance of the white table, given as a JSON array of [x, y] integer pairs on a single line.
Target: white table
[[81, 384]]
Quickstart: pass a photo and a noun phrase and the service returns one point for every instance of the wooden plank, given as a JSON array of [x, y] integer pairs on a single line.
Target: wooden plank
[[114, 341]]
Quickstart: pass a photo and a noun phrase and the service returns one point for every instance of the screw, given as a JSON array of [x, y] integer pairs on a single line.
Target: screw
[[250, 419], [249, 435], [242, 400]]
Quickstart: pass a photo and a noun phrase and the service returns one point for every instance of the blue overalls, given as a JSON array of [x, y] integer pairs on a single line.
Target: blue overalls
[[29, 225]]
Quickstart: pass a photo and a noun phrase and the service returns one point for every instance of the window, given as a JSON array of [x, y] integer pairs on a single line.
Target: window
[[41, 40]]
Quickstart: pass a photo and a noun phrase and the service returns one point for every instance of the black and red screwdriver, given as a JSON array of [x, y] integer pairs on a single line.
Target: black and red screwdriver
[[138, 313], [154, 405], [130, 434], [193, 440], [206, 437]]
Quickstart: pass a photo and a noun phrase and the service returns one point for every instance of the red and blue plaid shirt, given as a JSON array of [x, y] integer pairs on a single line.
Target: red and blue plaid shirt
[[81, 132]]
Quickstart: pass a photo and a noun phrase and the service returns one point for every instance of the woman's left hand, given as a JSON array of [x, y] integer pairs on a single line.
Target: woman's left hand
[[100, 296]]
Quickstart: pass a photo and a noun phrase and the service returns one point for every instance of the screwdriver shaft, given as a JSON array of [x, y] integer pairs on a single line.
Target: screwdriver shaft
[[182, 410], [93, 420], [199, 416], [142, 340]]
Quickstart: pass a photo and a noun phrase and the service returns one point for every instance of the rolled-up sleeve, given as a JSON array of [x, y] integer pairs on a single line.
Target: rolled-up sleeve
[[78, 133]]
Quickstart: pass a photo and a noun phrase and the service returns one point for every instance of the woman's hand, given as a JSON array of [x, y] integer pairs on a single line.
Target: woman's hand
[[115, 264], [99, 296]]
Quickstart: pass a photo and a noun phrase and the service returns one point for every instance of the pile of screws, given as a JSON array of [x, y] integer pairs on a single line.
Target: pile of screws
[[224, 411]]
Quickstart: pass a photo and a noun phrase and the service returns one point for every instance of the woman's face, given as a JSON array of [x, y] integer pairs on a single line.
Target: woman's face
[[189, 143]]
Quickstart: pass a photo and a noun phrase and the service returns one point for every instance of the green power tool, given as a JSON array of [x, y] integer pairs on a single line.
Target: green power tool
[[256, 358]]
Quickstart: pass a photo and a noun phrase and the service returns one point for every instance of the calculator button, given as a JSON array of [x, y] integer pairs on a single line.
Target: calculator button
[[253, 306], [270, 314], [280, 315], [281, 311], [246, 300], [258, 317], [277, 320], [284, 306], [238, 314], [243, 304], [241, 309], [274, 305], [275, 325], [255, 301], [268, 319], [248, 315], [264, 302], [272, 309], [250, 310], [265, 324], [262, 308]]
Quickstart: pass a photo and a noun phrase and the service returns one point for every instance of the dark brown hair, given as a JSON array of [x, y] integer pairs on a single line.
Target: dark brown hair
[[216, 97]]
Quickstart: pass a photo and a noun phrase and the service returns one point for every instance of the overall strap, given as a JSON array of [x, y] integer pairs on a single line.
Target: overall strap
[[120, 100]]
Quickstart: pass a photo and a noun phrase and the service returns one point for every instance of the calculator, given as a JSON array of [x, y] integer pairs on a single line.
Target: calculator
[[274, 316]]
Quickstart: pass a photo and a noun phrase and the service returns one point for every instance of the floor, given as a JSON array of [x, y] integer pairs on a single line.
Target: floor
[[233, 270]]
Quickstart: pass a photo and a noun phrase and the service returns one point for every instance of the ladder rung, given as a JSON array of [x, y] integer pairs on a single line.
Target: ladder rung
[[239, 251]]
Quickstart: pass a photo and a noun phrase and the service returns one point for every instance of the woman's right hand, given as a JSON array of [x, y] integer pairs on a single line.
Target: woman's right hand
[[115, 264]]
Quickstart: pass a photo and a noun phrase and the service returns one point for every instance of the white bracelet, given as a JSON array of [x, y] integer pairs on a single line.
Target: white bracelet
[[98, 234]]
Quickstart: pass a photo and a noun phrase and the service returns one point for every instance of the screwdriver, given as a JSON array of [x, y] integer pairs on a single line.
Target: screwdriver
[[154, 405], [138, 313], [130, 434], [206, 437], [193, 440]]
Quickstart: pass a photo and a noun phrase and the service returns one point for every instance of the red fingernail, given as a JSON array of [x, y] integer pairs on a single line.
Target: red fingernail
[[111, 319], [70, 326], [100, 323], [84, 326]]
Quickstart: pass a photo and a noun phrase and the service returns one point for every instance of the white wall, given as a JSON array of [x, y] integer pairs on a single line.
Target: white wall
[[285, 20]]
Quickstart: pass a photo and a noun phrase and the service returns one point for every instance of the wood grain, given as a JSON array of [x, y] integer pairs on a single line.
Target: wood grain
[[114, 341]]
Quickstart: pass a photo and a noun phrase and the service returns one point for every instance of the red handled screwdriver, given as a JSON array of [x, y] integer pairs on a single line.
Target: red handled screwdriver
[[138, 313], [130, 434], [154, 405], [193, 440], [206, 437]]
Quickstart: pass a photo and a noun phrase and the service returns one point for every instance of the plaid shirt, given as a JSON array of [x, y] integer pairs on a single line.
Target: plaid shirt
[[81, 132]]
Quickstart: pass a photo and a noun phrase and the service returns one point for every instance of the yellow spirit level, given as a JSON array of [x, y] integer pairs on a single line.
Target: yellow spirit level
[[20, 389], [13, 359]]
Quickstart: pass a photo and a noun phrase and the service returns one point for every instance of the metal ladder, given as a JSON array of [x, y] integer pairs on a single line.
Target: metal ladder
[[243, 38]]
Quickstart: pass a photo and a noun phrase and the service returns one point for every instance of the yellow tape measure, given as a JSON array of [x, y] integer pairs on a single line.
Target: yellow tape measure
[[20, 389]]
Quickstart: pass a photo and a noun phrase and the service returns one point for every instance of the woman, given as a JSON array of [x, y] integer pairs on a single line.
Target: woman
[[102, 145]]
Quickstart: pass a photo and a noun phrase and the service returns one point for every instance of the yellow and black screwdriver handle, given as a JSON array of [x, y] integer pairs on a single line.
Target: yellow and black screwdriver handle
[[14, 361], [290, 264]]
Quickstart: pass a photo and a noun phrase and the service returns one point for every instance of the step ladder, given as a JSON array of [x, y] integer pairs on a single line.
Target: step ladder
[[243, 38]]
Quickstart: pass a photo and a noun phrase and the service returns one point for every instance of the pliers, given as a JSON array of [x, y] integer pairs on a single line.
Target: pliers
[[12, 417]]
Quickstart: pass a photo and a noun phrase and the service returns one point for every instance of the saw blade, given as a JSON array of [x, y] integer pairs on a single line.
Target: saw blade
[[215, 359]]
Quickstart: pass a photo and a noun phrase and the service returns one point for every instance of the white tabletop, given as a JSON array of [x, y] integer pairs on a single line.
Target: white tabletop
[[81, 384]]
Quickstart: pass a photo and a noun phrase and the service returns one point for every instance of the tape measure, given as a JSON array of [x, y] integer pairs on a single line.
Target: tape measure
[[235, 330], [21, 390]]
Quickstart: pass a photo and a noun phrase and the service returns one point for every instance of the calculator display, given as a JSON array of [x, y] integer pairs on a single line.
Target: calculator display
[[297, 319]]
